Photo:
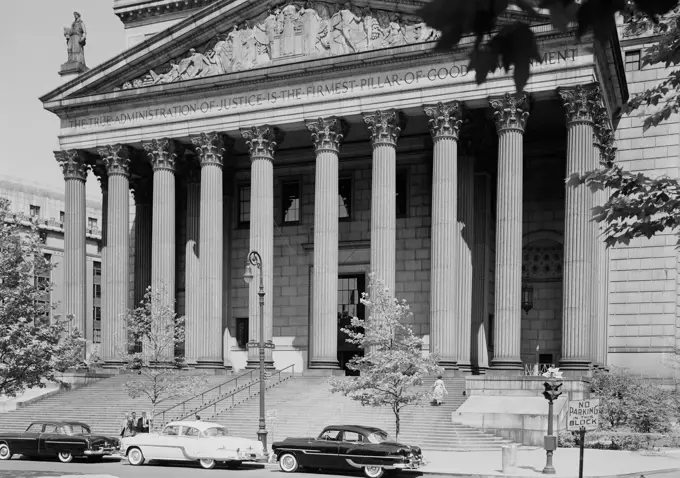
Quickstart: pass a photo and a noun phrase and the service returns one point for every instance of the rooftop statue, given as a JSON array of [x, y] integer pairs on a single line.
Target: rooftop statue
[[290, 32], [76, 36]]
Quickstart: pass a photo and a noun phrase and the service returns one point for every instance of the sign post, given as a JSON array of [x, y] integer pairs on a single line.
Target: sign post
[[583, 415]]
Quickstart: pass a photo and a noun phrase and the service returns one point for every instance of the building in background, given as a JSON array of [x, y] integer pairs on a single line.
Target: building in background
[[47, 208]]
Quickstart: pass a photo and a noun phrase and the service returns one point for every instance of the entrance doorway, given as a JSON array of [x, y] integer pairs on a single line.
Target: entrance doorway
[[350, 287]]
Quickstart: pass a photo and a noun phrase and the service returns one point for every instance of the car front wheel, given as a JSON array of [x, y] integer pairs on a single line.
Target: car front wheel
[[207, 463], [373, 471], [135, 457], [288, 462], [65, 457], [5, 452]]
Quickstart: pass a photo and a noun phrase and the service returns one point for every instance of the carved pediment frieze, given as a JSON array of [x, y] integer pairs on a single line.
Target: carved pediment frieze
[[290, 32]]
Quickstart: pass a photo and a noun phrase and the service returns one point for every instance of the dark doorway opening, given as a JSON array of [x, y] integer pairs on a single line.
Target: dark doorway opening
[[350, 287]]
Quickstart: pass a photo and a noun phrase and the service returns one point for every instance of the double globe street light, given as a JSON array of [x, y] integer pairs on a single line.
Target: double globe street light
[[255, 261]]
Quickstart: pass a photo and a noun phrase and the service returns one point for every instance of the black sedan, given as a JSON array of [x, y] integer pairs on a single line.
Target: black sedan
[[65, 440], [347, 447]]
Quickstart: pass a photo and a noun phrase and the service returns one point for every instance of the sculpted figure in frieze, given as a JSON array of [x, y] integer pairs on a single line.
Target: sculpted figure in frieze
[[290, 31]]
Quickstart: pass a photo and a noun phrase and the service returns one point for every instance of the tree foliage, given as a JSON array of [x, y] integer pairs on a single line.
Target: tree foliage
[[393, 366], [153, 332], [32, 349]]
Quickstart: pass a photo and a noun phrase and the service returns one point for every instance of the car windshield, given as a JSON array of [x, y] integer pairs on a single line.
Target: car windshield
[[378, 437], [215, 432], [75, 430]]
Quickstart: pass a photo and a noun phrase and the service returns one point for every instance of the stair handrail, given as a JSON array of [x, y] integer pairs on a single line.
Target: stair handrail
[[202, 394], [234, 392]]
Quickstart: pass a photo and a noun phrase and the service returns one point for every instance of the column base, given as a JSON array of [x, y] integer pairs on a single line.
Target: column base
[[217, 365], [476, 370], [324, 364], [465, 367], [323, 372], [576, 364], [268, 364], [511, 367], [448, 364]]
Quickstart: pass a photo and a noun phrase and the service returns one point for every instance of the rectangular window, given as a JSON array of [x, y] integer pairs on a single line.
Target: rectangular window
[[97, 324], [97, 291], [96, 269], [290, 196], [633, 60], [402, 193], [242, 331], [345, 198], [243, 205], [92, 223], [42, 281], [35, 211], [350, 288], [61, 216]]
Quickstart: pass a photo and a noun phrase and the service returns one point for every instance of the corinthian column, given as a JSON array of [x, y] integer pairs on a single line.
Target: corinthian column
[[385, 127], [74, 166], [510, 115], [143, 195], [161, 152], [116, 158], [327, 135], [444, 120], [210, 150], [577, 331], [262, 142], [194, 321]]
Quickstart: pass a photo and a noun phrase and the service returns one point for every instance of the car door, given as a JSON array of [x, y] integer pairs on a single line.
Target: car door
[[27, 443], [352, 449], [168, 446], [323, 451], [47, 442], [192, 446]]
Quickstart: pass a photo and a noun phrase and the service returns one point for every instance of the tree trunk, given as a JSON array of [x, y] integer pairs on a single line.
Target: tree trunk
[[396, 418]]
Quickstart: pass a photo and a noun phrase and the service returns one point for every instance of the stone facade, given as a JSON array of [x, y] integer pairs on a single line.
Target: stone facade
[[460, 218]]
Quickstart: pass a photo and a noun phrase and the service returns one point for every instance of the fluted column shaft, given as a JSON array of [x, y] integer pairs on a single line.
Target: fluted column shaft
[[75, 168], [327, 134], [510, 114], [444, 121], [116, 271], [262, 142], [210, 149], [466, 178], [162, 155], [385, 127], [579, 235], [192, 301], [480, 273]]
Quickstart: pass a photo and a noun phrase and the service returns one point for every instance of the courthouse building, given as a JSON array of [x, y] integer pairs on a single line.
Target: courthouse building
[[335, 141]]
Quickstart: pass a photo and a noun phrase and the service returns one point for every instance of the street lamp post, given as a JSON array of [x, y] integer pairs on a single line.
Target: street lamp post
[[255, 260]]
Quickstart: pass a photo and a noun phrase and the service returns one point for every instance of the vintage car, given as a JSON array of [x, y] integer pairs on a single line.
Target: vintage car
[[64, 439], [348, 447], [205, 442]]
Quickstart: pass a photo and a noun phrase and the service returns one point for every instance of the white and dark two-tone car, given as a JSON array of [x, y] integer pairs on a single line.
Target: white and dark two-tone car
[[203, 442]]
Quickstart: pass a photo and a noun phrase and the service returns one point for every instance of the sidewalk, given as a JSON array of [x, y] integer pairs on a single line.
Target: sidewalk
[[530, 463]]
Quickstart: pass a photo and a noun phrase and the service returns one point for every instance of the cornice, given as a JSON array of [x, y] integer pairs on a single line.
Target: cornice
[[155, 8]]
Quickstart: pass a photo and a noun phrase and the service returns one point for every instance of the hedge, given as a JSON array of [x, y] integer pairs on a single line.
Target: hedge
[[619, 440]]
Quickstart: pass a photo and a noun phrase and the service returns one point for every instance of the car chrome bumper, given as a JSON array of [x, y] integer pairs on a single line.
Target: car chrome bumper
[[100, 452], [410, 465], [256, 457]]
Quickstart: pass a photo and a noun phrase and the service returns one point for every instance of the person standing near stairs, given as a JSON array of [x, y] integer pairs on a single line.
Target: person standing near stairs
[[438, 391], [126, 426]]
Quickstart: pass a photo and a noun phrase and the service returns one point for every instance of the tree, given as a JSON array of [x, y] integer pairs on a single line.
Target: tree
[[32, 349], [393, 364], [155, 330]]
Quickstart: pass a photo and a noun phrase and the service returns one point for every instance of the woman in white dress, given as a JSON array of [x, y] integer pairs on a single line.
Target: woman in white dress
[[438, 391]]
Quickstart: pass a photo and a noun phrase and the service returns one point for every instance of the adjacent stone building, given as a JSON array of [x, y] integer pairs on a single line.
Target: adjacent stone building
[[334, 141]]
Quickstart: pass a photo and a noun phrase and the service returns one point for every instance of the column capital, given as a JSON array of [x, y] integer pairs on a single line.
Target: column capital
[[116, 159], [328, 133], [510, 112], [262, 141], [581, 103], [142, 189], [385, 126], [162, 153], [73, 163], [211, 147], [445, 119]]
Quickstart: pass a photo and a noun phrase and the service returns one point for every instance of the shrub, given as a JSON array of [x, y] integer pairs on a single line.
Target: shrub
[[618, 440]]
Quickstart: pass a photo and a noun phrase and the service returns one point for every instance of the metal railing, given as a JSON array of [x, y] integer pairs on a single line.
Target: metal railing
[[536, 369], [183, 404]]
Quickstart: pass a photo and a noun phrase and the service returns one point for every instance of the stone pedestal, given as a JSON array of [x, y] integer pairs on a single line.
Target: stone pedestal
[[161, 152], [510, 115], [210, 150], [444, 121], [262, 142], [116, 275], [71, 69], [385, 128], [75, 168], [327, 134], [577, 330]]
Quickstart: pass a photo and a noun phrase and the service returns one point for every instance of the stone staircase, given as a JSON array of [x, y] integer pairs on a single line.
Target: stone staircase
[[102, 404], [305, 405]]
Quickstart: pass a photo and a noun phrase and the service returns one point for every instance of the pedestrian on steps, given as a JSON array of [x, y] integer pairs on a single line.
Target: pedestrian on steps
[[144, 423], [438, 391], [126, 426]]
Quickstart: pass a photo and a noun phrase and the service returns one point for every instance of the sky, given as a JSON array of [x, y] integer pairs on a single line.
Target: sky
[[34, 47]]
